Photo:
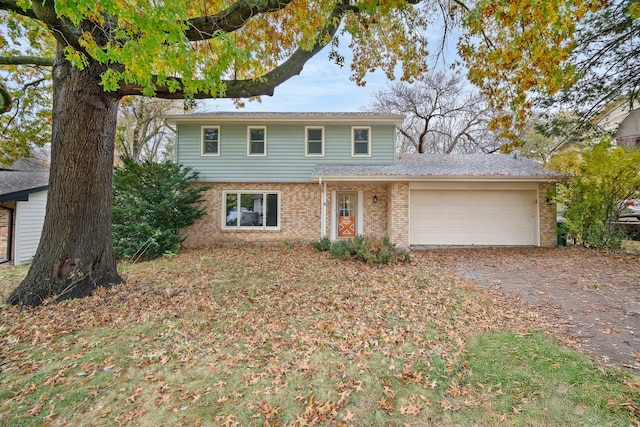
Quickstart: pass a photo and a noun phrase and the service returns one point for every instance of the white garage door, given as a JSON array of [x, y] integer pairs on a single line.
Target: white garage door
[[479, 217]]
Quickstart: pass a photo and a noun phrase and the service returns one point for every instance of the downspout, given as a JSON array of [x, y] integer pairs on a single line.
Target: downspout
[[323, 209], [9, 235]]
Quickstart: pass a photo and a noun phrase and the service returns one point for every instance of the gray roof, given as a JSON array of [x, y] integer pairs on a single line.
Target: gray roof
[[24, 176], [425, 166]]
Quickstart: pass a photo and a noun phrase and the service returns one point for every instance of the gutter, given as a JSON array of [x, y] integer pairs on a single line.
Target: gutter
[[9, 235], [477, 178], [323, 208]]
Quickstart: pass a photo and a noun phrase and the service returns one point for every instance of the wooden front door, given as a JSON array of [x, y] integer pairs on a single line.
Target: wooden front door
[[347, 215]]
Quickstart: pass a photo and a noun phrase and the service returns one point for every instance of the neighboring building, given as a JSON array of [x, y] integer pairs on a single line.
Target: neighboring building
[[628, 133], [622, 119], [23, 199], [303, 176]]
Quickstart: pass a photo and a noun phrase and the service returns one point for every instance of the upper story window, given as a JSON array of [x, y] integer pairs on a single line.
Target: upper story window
[[210, 141], [257, 141], [361, 141], [314, 141]]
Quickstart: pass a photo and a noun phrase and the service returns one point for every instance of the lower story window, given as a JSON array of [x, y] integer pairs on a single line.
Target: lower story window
[[251, 210]]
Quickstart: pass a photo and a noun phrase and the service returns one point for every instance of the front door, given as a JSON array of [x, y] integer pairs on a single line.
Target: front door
[[347, 214]]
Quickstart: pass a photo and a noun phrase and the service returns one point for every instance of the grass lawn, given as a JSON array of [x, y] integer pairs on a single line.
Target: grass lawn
[[285, 335]]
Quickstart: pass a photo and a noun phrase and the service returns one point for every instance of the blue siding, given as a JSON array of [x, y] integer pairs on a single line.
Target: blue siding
[[285, 160]]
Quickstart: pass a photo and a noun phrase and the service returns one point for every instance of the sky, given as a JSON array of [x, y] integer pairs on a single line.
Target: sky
[[322, 86]]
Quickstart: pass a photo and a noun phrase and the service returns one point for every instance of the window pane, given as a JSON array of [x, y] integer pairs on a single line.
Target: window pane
[[361, 148], [250, 210], [232, 209], [257, 134], [361, 135], [314, 134], [272, 210], [257, 147], [211, 147], [211, 134], [315, 147], [210, 140]]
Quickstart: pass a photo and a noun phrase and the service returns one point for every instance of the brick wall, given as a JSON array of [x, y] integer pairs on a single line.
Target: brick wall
[[299, 215], [374, 215], [548, 218], [398, 213], [4, 229]]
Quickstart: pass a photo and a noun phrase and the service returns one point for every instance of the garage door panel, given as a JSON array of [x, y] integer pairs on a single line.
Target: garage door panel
[[479, 217]]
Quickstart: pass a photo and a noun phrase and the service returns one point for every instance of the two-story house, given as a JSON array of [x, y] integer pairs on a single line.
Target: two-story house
[[303, 176]]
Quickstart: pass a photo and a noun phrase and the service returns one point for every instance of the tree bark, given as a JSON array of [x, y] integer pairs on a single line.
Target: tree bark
[[75, 254]]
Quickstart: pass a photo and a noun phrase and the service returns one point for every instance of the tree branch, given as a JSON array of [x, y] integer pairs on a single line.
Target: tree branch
[[230, 19], [12, 6], [26, 60], [264, 85]]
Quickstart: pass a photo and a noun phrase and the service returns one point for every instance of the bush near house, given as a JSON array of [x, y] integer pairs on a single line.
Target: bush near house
[[151, 203], [367, 249], [603, 178]]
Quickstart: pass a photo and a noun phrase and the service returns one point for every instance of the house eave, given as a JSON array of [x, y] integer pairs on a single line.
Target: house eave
[[425, 178], [355, 119], [22, 195]]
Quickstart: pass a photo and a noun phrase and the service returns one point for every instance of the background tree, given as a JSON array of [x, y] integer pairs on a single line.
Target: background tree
[[142, 134], [606, 60], [26, 103], [518, 50], [442, 115], [545, 136], [151, 203], [603, 178]]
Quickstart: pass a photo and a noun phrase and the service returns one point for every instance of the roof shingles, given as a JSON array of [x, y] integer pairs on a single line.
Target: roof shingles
[[443, 165], [23, 176]]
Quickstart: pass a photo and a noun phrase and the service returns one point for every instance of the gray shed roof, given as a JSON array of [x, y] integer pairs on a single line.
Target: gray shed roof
[[23, 177], [442, 166]]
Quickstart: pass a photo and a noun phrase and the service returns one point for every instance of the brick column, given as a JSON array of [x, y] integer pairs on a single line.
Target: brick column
[[548, 216], [4, 228], [398, 213]]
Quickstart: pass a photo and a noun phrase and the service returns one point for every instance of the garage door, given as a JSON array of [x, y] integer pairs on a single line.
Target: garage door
[[479, 217]]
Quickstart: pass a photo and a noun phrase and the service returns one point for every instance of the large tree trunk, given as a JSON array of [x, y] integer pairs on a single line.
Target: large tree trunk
[[75, 254]]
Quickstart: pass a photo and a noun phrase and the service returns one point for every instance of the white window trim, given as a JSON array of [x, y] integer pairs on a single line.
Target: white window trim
[[202, 153], [249, 141], [238, 227], [306, 142], [353, 141]]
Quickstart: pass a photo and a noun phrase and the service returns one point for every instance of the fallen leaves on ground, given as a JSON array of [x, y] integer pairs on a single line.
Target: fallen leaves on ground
[[240, 334]]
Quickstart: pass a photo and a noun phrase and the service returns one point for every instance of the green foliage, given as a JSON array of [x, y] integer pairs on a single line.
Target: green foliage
[[151, 203], [367, 249], [323, 245], [604, 177], [607, 75]]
